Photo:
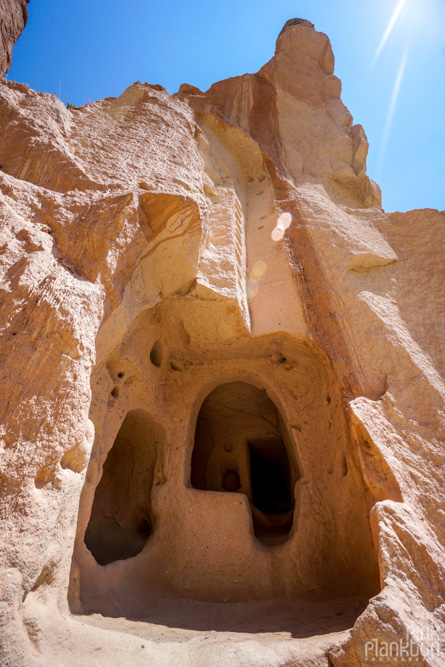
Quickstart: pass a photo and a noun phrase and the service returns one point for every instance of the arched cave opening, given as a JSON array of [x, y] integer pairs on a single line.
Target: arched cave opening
[[121, 518], [242, 446]]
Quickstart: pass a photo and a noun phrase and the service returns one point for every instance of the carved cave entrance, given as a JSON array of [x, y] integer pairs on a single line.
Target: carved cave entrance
[[217, 509], [242, 446], [121, 517]]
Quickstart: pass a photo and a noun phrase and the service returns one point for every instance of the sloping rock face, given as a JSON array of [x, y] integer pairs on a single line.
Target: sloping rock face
[[13, 18], [222, 381]]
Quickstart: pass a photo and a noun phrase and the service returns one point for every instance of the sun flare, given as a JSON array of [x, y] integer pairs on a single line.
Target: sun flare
[[389, 28]]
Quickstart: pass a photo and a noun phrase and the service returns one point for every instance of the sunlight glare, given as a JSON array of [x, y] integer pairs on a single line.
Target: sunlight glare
[[283, 223], [392, 107], [389, 28]]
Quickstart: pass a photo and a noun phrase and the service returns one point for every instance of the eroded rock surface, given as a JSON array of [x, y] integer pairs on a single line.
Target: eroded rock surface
[[203, 304], [13, 18]]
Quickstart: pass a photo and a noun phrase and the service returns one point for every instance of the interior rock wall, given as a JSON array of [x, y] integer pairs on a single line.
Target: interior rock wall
[[142, 267]]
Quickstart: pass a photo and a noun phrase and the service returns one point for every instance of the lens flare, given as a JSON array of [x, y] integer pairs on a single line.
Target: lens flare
[[284, 221], [392, 108], [259, 269], [277, 234], [389, 28], [252, 288]]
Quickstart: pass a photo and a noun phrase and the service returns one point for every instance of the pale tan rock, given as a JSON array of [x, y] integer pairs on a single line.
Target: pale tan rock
[[200, 292]]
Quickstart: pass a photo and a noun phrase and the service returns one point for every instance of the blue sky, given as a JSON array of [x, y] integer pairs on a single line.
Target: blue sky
[[97, 49]]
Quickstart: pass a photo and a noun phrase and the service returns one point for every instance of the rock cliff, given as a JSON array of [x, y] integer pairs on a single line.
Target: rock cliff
[[222, 391], [13, 18]]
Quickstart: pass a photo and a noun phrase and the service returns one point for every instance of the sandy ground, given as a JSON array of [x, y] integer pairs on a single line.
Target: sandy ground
[[191, 633]]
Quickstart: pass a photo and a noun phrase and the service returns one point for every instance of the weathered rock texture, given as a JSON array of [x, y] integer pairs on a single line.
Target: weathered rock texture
[[13, 18], [222, 429]]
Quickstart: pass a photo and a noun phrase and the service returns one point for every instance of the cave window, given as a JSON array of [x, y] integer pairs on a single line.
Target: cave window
[[240, 447]]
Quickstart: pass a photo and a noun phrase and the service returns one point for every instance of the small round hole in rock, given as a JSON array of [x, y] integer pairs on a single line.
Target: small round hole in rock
[[231, 481], [156, 354], [115, 392], [144, 527]]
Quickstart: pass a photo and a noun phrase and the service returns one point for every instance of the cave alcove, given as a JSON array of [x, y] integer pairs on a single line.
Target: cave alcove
[[121, 518], [241, 445]]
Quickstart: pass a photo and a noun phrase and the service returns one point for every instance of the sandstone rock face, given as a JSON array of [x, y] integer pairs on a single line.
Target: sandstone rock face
[[13, 18], [222, 380]]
